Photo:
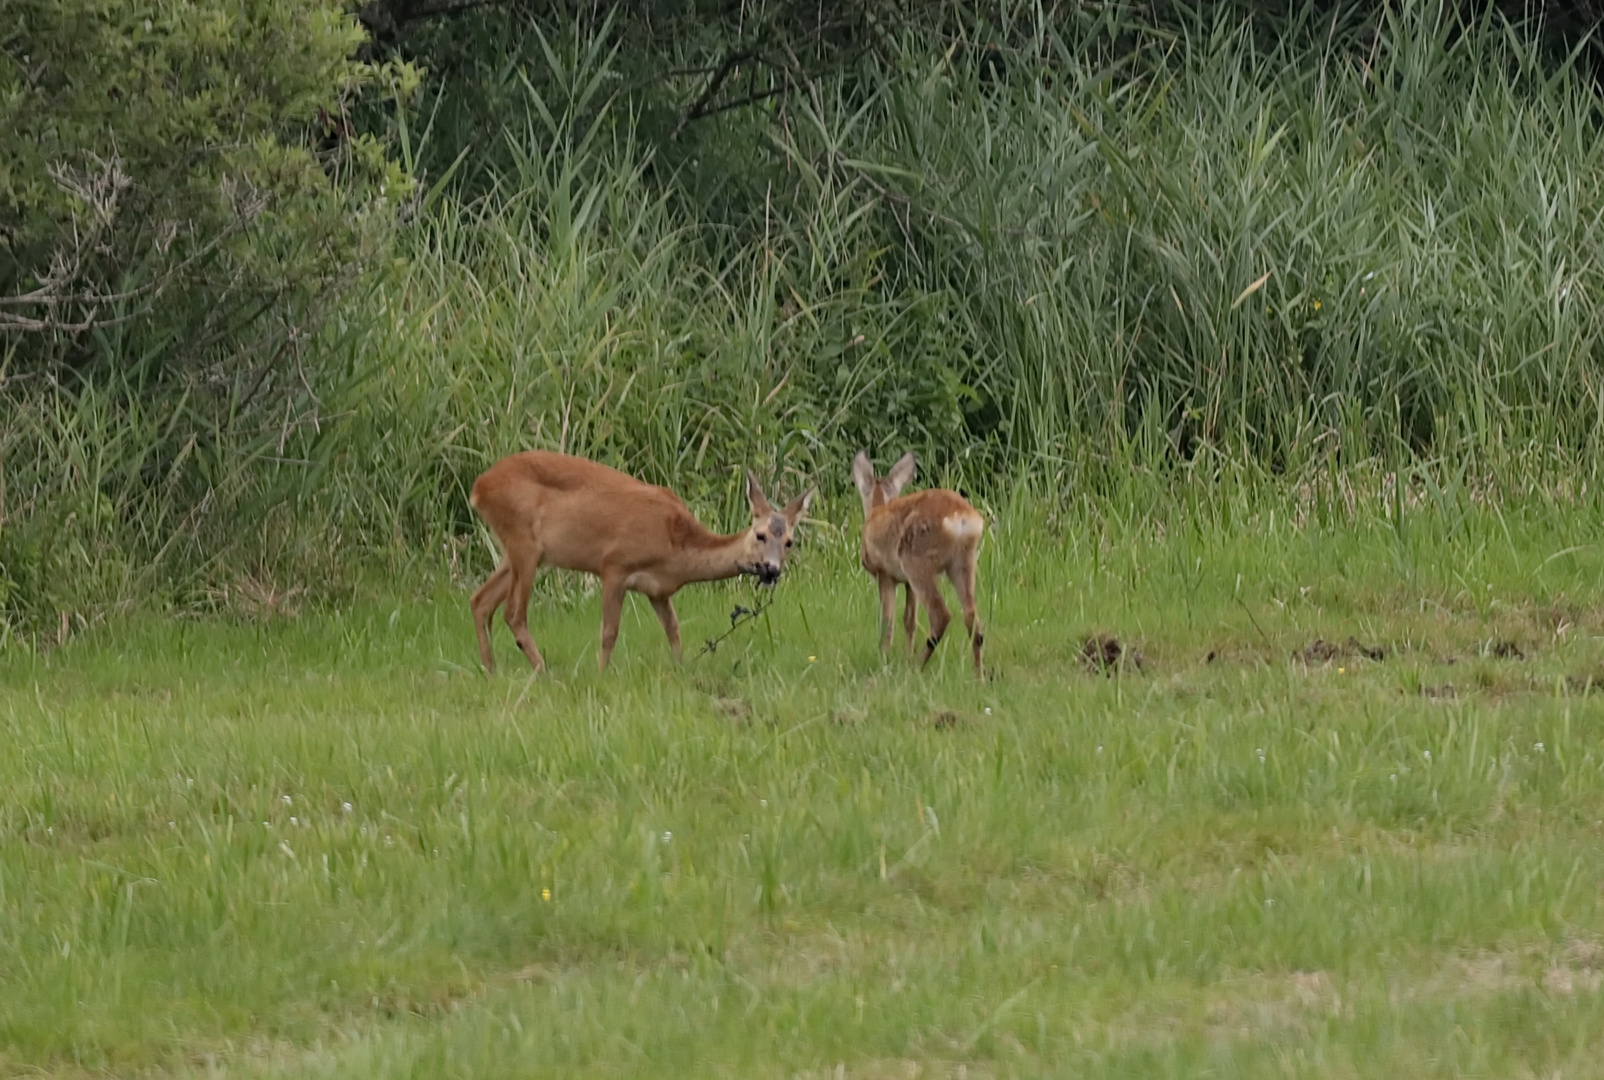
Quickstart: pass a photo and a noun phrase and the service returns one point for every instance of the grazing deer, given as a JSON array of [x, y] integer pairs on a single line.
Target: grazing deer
[[914, 539], [551, 509]]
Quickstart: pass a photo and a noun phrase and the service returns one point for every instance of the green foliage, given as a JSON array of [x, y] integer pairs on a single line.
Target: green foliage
[[161, 171], [674, 63], [182, 200]]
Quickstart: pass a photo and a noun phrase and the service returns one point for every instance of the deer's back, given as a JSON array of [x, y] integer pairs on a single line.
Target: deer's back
[[581, 513]]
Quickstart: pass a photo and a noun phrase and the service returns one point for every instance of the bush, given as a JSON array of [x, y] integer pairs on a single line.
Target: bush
[[182, 199]]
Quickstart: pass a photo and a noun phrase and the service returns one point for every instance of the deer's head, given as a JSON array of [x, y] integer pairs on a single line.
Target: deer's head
[[769, 539]]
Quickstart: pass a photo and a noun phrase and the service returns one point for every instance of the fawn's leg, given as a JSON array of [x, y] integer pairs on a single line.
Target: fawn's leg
[[936, 610], [910, 613], [964, 581], [888, 601]]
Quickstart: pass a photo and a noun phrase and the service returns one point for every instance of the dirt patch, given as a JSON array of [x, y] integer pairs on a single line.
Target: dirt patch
[[848, 716], [1584, 682], [1103, 654], [1282, 1003], [1564, 980], [943, 718], [1369, 652], [1505, 650], [1321, 651], [1576, 968], [251, 598], [1445, 692], [1562, 615], [733, 709]]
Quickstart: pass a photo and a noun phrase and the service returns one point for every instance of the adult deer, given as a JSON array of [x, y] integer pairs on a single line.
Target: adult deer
[[913, 540], [550, 509]]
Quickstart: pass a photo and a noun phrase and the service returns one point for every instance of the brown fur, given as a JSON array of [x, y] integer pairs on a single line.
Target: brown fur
[[550, 509], [913, 540]]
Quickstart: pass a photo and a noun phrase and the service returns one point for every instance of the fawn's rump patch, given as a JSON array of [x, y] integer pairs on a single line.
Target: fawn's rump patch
[[962, 526]]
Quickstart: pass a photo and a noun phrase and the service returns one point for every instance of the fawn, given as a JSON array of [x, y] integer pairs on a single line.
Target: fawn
[[914, 539]]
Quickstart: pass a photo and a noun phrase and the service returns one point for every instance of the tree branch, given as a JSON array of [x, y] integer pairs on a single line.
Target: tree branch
[[68, 267], [384, 19]]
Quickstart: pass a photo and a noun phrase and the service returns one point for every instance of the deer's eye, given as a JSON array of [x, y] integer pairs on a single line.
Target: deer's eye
[[761, 538], [788, 543]]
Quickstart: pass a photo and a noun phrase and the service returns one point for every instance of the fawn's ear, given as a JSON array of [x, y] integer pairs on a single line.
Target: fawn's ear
[[755, 496], [863, 476], [901, 473], [796, 508]]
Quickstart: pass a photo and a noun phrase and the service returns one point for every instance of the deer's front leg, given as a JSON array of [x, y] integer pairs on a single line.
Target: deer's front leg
[[665, 615], [612, 611]]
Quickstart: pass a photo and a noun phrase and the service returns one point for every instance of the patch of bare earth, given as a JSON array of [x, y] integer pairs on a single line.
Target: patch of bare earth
[[1575, 968], [1321, 651], [900, 1069], [1104, 654], [1257, 1005]]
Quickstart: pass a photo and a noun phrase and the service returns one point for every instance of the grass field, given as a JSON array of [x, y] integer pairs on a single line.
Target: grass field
[[324, 845]]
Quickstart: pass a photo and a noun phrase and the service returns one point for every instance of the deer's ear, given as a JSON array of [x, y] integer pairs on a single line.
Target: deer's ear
[[755, 496], [797, 507], [901, 473], [863, 475]]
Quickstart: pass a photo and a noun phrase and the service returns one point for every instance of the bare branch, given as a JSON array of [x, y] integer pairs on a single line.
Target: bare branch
[[725, 69], [101, 194]]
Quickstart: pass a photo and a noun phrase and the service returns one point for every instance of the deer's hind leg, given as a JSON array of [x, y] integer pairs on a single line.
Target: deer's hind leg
[[523, 562], [486, 599]]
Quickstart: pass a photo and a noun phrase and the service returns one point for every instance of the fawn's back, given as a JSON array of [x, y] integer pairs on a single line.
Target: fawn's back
[[927, 530]]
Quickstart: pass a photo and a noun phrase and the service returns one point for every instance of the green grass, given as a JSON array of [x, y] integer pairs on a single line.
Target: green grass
[[326, 846]]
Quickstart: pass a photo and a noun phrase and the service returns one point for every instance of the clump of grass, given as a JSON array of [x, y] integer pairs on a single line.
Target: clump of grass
[[1279, 252]]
